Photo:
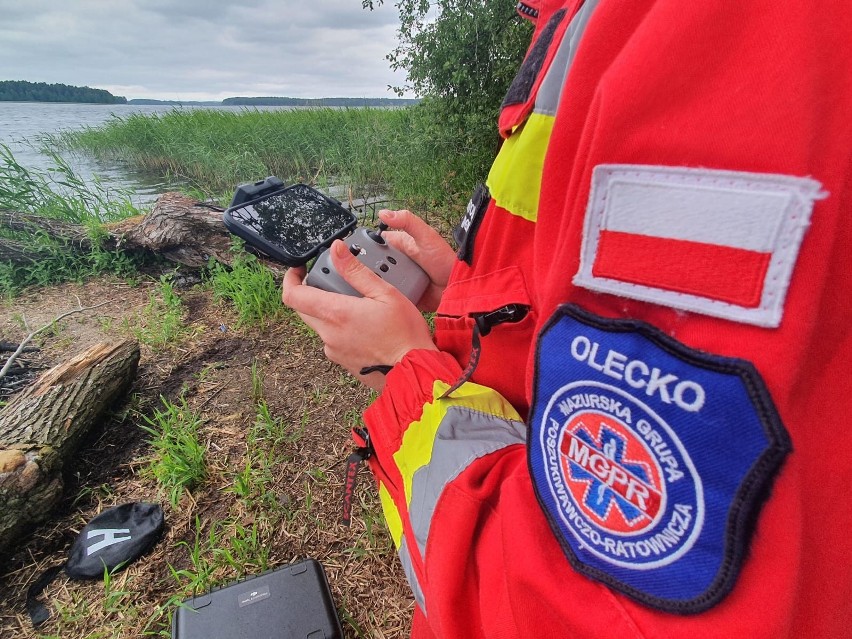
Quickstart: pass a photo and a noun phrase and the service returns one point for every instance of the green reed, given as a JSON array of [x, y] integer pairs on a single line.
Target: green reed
[[363, 152], [58, 192]]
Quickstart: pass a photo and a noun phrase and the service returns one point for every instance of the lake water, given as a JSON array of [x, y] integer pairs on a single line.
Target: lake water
[[22, 124]]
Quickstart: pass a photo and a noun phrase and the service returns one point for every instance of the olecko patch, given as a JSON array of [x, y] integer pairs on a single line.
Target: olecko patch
[[651, 460]]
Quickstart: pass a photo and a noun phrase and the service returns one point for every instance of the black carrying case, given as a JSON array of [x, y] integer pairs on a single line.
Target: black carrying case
[[291, 602]]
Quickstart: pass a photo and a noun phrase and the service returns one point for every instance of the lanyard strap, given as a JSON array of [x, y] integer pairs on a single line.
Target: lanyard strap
[[482, 325]]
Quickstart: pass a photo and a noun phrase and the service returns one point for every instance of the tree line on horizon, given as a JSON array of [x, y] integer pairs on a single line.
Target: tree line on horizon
[[318, 102], [23, 91]]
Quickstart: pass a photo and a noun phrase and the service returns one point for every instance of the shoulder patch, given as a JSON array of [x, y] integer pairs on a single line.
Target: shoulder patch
[[720, 243], [651, 460]]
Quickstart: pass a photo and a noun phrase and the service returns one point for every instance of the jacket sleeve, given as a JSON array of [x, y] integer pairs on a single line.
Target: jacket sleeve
[[423, 442]]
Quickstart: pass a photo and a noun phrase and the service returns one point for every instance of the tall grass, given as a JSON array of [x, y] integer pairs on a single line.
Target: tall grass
[[58, 193], [178, 462], [403, 153], [248, 285]]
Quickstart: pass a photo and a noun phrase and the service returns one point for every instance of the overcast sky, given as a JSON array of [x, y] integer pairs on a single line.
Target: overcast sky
[[201, 49]]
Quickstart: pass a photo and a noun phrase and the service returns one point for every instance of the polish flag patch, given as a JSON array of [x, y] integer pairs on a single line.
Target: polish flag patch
[[720, 243]]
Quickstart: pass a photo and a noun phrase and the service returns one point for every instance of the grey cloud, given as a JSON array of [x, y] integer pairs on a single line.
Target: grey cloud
[[172, 48]]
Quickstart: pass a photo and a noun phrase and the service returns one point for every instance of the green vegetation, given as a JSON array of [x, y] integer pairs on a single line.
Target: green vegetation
[[58, 194], [161, 323], [228, 545], [22, 91], [248, 285], [178, 460], [232, 546], [362, 152], [266, 441], [462, 55], [57, 262]]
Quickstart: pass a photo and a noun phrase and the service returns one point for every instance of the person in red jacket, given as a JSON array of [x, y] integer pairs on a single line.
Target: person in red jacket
[[631, 418]]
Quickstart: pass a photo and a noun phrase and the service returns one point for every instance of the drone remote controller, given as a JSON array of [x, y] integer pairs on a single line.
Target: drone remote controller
[[293, 224], [375, 253]]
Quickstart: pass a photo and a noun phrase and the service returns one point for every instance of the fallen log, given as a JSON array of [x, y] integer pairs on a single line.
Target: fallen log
[[179, 228], [74, 234], [41, 430], [19, 252]]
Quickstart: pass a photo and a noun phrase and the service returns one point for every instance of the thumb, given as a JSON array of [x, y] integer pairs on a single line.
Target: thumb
[[358, 276]]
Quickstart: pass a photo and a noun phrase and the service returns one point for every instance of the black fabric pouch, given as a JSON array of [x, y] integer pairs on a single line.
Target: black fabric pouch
[[111, 541]]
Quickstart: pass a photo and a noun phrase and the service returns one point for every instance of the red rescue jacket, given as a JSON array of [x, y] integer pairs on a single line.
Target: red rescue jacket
[[656, 445]]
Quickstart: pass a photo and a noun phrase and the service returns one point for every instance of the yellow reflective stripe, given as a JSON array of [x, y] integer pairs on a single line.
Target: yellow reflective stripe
[[392, 517], [418, 440], [515, 176]]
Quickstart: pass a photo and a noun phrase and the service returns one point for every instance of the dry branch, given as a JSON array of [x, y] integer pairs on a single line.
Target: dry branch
[[22, 346]]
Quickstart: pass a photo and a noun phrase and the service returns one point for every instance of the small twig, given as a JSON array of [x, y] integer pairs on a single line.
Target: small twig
[[26, 340], [216, 392], [319, 170]]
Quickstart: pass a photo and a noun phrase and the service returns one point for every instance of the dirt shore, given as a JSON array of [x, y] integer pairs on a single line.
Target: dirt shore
[[215, 368]]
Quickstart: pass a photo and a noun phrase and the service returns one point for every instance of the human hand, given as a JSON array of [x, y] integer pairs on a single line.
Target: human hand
[[426, 247], [377, 329]]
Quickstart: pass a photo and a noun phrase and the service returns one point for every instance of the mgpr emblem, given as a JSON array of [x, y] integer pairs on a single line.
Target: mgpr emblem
[[626, 487]]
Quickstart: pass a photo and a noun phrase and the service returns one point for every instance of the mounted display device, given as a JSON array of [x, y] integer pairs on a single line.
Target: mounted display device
[[289, 224]]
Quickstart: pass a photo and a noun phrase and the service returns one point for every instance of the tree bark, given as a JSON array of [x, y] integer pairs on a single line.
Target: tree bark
[[41, 429], [179, 228]]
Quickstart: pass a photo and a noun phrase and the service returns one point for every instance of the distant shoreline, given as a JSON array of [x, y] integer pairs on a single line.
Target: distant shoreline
[[284, 101], [39, 92], [303, 102]]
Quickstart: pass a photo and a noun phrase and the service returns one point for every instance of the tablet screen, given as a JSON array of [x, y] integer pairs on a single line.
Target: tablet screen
[[297, 219]]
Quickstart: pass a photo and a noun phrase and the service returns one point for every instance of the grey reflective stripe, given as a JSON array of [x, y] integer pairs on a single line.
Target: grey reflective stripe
[[547, 99], [463, 436], [408, 568]]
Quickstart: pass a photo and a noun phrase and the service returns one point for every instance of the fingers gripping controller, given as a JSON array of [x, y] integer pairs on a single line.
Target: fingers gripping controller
[[375, 253]]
